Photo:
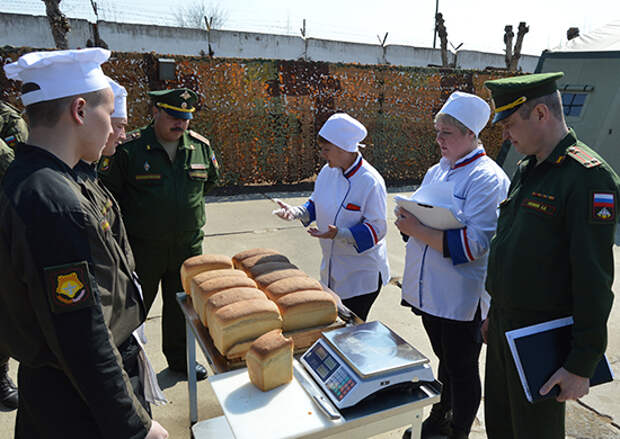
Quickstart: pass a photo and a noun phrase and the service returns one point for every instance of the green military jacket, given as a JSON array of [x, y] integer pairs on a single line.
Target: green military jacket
[[13, 128], [160, 200], [552, 253], [6, 157]]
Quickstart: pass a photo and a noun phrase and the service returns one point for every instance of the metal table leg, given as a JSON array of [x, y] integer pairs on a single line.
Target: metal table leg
[[191, 374]]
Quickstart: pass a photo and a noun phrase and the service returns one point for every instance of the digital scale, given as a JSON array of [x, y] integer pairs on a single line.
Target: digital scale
[[354, 362]]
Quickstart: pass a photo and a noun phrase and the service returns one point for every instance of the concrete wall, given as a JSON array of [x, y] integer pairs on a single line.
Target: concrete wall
[[33, 31]]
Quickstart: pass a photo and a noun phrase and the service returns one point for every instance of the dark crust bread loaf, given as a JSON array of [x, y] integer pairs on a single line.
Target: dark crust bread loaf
[[267, 279], [268, 267], [248, 263], [250, 253]]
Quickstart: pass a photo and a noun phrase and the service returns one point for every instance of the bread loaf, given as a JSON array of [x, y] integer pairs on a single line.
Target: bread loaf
[[215, 274], [264, 280], [201, 291], [306, 309], [197, 264], [248, 263], [270, 360], [268, 267], [250, 253], [226, 297], [289, 285], [241, 321]]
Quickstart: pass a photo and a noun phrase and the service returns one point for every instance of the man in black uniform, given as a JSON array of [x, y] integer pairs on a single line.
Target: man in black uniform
[[70, 303]]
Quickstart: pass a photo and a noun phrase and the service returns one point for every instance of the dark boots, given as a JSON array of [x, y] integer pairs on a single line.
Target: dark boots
[[8, 390]]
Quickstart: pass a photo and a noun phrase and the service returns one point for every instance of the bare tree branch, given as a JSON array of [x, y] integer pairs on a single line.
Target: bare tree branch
[[508, 36], [193, 16], [523, 29], [513, 56], [443, 38], [58, 23]]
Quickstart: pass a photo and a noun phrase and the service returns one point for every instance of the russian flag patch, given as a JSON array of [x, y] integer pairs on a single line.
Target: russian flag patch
[[603, 206], [11, 141]]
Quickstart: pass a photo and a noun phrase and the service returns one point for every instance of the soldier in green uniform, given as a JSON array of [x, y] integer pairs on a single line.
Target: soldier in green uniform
[[6, 157], [551, 256], [13, 129], [160, 177]]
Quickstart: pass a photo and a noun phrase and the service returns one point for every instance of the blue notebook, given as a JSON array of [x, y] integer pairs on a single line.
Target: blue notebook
[[540, 350]]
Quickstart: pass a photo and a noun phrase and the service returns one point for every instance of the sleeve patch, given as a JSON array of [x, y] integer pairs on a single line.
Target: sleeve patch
[[11, 141], [69, 287], [214, 160], [603, 207]]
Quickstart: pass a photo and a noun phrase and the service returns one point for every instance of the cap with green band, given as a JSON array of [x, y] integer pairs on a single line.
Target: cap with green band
[[510, 93], [178, 102]]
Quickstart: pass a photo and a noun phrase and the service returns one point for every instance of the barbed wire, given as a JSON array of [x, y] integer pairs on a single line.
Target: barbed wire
[[147, 13]]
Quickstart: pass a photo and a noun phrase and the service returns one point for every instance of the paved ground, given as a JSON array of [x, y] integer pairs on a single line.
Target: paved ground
[[236, 224]]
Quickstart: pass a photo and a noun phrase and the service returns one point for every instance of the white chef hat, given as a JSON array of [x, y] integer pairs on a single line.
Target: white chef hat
[[59, 73], [470, 110], [343, 131], [120, 98]]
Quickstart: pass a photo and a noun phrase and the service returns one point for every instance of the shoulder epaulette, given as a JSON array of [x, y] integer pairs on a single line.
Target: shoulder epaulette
[[198, 137], [130, 137], [582, 157]]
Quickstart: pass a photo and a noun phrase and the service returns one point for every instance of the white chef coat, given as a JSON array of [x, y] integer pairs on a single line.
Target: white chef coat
[[355, 199], [452, 287]]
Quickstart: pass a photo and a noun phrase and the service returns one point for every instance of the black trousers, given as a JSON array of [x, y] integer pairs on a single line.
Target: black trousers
[[360, 305], [457, 344], [161, 262], [50, 406]]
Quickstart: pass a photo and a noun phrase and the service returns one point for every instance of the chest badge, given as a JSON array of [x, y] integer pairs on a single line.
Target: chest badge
[[147, 166]]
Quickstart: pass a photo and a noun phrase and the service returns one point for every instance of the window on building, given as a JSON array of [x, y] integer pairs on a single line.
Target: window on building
[[573, 103]]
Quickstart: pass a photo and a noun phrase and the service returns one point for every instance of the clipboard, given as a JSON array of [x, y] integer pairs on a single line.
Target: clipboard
[[540, 350]]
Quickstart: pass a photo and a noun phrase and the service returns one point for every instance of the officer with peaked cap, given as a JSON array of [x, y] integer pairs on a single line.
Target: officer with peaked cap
[[160, 177], [69, 305], [551, 256], [348, 204]]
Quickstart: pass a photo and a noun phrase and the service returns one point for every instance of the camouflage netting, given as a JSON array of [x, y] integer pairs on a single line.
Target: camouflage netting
[[262, 116]]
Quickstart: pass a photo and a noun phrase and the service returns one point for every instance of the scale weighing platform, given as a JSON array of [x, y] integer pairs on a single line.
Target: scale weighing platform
[[354, 362]]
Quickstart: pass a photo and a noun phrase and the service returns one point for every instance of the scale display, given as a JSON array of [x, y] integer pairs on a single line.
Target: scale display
[[354, 362], [337, 381]]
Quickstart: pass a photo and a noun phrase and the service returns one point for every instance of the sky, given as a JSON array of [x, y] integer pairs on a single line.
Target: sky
[[477, 24]]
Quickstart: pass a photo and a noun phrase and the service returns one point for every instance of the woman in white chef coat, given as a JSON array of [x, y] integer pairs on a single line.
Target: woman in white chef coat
[[445, 270], [349, 206]]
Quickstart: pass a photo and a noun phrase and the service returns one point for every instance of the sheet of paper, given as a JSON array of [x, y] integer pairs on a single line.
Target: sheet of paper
[[433, 205]]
